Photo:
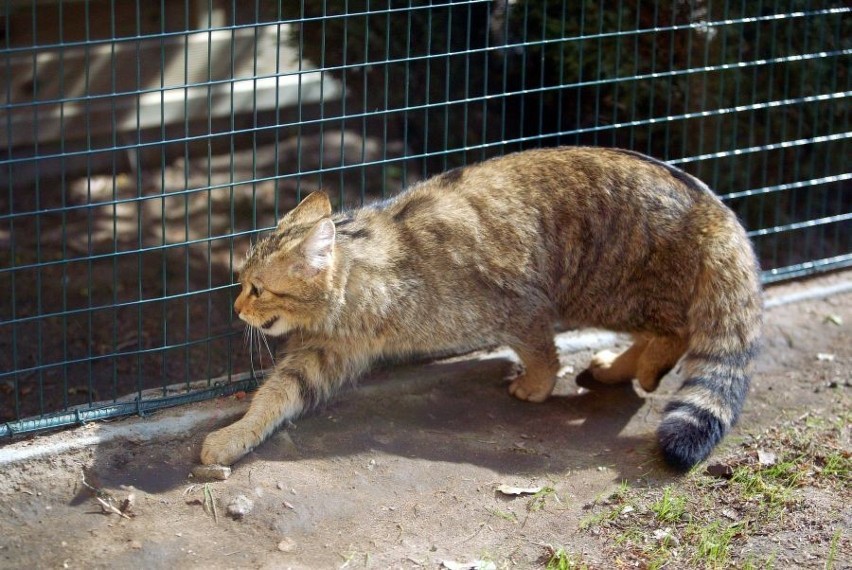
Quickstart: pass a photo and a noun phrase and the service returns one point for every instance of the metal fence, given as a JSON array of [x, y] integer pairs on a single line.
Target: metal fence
[[142, 145]]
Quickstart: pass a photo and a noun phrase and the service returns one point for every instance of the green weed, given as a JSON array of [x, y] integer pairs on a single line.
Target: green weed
[[562, 560], [713, 543], [538, 501], [670, 507]]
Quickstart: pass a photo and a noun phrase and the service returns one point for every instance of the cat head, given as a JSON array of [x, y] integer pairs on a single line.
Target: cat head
[[286, 279]]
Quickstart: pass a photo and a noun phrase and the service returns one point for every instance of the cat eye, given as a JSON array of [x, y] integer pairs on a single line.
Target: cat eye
[[255, 290]]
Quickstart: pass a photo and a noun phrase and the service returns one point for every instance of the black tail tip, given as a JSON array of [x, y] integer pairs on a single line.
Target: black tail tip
[[684, 443]]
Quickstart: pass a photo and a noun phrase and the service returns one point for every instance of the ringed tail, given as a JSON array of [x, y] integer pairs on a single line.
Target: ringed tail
[[725, 322]]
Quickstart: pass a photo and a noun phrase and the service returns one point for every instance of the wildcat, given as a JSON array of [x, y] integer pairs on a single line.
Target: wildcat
[[494, 254]]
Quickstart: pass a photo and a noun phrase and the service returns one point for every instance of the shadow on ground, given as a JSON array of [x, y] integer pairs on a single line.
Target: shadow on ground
[[455, 412]]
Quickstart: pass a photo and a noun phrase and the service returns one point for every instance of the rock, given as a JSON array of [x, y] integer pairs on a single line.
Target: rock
[[239, 507], [666, 537], [220, 472], [731, 514], [766, 458], [287, 544]]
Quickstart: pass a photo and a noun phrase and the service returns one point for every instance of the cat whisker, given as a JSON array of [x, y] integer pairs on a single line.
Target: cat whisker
[[255, 345], [251, 351], [259, 337], [269, 350]]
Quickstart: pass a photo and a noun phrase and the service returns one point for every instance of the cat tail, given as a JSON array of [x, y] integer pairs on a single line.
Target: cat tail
[[725, 321]]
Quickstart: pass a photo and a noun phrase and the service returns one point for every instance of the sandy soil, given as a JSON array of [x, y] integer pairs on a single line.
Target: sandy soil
[[402, 472]]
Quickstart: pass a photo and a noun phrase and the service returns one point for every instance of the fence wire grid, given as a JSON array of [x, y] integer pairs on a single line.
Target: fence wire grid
[[142, 145]]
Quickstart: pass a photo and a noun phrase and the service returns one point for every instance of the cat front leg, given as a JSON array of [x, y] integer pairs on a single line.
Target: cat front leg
[[278, 400], [302, 380], [541, 364]]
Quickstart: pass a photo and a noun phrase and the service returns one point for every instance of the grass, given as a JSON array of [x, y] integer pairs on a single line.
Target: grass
[[511, 517], [770, 489], [559, 559], [670, 507], [832, 550], [713, 543], [599, 519], [616, 498], [538, 501], [837, 465], [702, 521]]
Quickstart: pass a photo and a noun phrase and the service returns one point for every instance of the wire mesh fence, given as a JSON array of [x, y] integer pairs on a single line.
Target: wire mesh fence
[[142, 145]]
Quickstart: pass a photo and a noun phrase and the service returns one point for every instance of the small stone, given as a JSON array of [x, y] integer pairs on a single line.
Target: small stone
[[287, 544], [766, 458], [135, 545], [731, 514], [220, 472], [666, 537], [239, 507], [279, 486]]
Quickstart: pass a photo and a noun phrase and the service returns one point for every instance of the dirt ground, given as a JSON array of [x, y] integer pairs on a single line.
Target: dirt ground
[[404, 471]]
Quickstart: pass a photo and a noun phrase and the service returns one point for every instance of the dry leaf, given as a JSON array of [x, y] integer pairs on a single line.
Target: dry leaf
[[509, 490], [721, 470], [834, 319]]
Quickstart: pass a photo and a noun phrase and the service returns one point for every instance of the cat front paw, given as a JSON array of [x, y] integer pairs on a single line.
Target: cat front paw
[[525, 388], [227, 445]]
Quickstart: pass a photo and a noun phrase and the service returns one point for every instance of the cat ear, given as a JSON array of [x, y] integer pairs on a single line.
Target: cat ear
[[315, 207], [318, 245]]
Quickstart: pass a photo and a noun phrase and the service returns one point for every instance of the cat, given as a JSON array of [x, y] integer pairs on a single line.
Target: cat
[[494, 254]]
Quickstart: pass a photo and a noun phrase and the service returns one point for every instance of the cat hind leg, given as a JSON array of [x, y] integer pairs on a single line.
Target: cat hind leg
[[608, 368], [648, 359], [660, 356]]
